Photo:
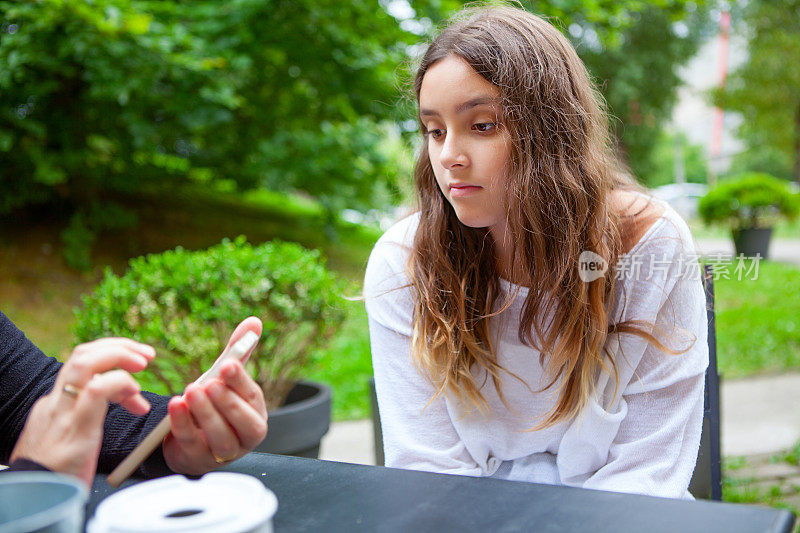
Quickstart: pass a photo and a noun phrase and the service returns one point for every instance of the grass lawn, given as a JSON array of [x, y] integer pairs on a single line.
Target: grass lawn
[[755, 481], [346, 365], [758, 322]]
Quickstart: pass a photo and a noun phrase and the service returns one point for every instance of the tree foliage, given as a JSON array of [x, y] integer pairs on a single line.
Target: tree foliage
[[666, 148], [105, 97], [129, 94], [639, 78], [766, 88], [633, 49]]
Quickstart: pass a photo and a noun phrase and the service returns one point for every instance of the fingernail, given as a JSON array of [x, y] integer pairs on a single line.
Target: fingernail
[[148, 351]]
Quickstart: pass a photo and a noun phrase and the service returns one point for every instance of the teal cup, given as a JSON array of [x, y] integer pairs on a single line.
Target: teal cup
[[42, 502]]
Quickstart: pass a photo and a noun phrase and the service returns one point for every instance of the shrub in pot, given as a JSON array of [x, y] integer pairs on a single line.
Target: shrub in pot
[[186, 304], [750, 205]]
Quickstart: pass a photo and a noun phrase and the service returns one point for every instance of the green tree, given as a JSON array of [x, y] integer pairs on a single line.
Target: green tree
[[665, 149], [633, 49], [639, 79], [766, 88], [118, 95], [101, 98]]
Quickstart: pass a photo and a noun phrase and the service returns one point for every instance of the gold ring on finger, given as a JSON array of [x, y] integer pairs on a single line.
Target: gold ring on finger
[[221, 461], [71, 390]]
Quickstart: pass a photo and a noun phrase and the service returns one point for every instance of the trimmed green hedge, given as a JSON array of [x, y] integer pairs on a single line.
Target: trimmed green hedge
[[187, 303], [752, 200]]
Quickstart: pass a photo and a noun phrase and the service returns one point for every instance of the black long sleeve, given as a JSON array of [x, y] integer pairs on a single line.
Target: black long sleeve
[[26, 374]]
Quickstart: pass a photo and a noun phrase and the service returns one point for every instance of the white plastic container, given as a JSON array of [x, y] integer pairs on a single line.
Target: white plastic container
[[219, 502], [33, 501]]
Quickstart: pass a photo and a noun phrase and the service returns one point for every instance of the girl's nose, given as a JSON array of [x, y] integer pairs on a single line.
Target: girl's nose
[[453, 154]]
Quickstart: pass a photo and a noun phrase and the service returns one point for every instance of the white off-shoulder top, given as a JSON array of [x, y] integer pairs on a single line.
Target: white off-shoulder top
[[643, 439]]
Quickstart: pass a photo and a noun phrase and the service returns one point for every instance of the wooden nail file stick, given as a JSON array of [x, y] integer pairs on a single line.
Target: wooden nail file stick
[[239, 350]]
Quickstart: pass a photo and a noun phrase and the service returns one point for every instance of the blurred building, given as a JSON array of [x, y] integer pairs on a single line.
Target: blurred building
[[694, 115]]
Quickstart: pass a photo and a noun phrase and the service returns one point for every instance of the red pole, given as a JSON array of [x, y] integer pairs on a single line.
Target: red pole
[[722, 62]]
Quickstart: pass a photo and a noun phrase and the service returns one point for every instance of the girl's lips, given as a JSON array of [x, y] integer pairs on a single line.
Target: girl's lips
[[461, 191]]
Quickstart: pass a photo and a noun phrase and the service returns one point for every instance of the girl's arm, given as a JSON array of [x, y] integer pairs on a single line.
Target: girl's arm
[[416, 435], [659, 416]]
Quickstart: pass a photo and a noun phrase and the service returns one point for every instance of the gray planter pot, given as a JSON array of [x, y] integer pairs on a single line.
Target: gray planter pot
[[752, 241], [297, 427]]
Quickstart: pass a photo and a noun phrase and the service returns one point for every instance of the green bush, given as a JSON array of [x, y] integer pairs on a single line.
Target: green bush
[[79, 236], [751, 200], [187, 303]]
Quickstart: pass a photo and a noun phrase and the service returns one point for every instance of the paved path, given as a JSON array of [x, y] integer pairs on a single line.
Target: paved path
[[782, 250], [349, 442], [760, 415]]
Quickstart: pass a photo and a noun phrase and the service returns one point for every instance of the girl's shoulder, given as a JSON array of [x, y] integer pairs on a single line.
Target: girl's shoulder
[[638, 213], [395, 244], [387, 291], [390, 254], [401, 232], [650, 225]]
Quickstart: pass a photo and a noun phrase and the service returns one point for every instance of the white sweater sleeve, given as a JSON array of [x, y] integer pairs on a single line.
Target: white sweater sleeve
[[655, 449], [417, 434]]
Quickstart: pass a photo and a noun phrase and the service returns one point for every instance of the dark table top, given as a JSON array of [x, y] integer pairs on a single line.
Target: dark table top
[[318, 495]]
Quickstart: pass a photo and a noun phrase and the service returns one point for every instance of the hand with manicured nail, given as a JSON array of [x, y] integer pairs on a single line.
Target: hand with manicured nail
[[220, 420]]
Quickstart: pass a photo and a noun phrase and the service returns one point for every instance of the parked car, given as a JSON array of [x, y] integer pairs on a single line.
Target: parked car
[[684, 197]]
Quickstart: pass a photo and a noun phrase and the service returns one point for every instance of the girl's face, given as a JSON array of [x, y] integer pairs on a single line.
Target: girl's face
[[469, 148]]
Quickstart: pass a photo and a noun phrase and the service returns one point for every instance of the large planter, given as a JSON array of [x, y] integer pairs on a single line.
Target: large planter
[[752, 241], [297, 427]]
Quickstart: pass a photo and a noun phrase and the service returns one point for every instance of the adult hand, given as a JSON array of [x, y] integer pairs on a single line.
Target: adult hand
[[220, 420], [64, 429]]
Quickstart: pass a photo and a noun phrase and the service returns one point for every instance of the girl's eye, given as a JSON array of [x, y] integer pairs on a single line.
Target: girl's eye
[[485, 127], [436, 133]]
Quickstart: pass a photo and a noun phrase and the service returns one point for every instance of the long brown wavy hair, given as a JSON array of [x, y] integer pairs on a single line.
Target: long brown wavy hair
[[561, 176]]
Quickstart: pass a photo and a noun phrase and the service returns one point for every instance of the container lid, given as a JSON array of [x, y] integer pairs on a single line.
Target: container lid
[[30, 501], [221, 502]]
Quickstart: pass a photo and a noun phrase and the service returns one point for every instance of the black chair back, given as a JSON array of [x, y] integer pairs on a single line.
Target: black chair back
[[707, 479]]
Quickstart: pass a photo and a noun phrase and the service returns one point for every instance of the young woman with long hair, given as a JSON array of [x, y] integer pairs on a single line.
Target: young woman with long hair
[[539, 317]]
